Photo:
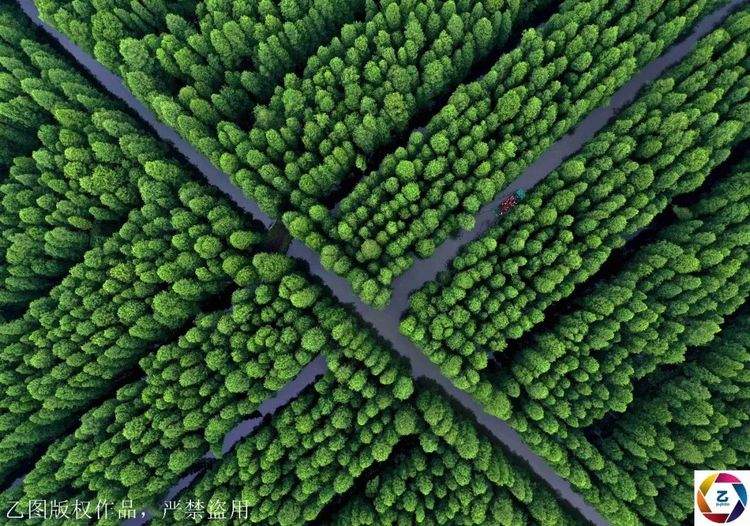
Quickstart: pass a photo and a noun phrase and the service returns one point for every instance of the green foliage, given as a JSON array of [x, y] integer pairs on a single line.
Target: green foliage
[[434, 483], [100, 211], [133, 291], [622, 341], [21, 114], [501, 285], [356, 93], [306, 449], [656, 307], [679, 422], [206, 67], [220, 55], [217, 373], [81, 178], [420, 472], [489, 131], [127, 264]]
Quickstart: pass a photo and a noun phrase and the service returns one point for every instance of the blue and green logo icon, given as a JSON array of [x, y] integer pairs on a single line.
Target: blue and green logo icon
[[721, 498]]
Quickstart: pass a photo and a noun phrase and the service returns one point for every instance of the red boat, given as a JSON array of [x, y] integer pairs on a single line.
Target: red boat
[[511, 201]]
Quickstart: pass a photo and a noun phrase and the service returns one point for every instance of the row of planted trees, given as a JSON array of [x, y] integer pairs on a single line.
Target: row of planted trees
[[641, 378], [663, 145], [326, 122], [361, 421], [116, 243], [75, 177], [486, 135], [115, 362], [289, 97], [420, 461], [137, 307]]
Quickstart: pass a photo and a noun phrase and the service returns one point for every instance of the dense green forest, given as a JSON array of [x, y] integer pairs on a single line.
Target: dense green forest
[[563, 379], [322, 129], [291, 145], [471, 480], [79, 174], [670, 300], [126, 246], [663, 145], [157, 342], [365, 411], [710, 388], [490, 131]]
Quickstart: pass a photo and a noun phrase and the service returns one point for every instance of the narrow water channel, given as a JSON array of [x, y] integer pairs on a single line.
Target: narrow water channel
[[115, 86], [311, 372]]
